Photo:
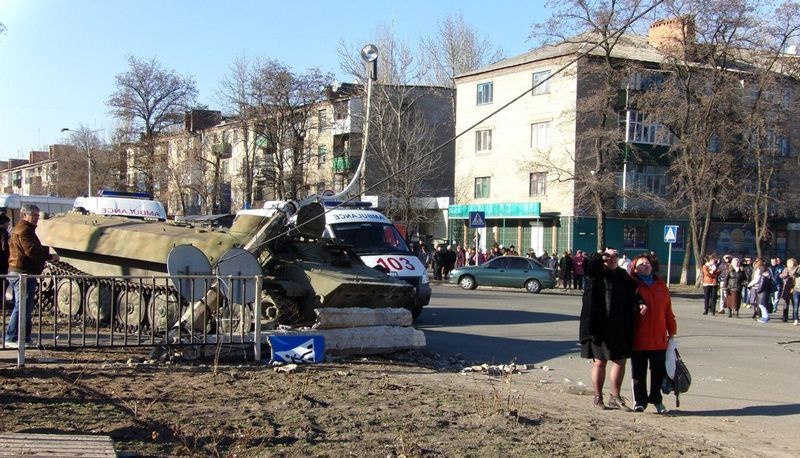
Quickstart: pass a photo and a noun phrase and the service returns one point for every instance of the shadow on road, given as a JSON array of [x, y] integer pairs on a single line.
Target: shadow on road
[[766, 410], [499, 350], [435, 317]]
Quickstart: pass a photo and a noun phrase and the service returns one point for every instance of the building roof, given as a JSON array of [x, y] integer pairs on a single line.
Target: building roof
[[630, 47]]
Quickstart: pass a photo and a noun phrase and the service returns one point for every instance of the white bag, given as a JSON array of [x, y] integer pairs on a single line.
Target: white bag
[[672, 346]]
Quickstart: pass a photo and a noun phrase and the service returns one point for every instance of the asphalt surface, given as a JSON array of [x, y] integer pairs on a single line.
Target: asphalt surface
[[745, 375]]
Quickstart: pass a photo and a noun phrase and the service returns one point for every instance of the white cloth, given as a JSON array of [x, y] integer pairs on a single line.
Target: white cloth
[[672, 347]]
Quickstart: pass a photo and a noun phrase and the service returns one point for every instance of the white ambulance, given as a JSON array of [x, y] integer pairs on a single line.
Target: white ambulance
[[379, 244], [118, 203]]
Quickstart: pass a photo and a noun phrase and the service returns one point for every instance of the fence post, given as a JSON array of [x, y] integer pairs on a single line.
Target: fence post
[[22, 319], [257, 320]]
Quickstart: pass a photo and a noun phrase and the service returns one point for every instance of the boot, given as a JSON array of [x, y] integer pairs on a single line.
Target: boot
[[729, 313]]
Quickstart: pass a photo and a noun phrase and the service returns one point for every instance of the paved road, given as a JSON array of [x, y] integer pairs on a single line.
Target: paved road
[[742, 377]]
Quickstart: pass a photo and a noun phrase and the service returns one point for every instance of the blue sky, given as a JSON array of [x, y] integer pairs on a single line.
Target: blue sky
[[58, 58]]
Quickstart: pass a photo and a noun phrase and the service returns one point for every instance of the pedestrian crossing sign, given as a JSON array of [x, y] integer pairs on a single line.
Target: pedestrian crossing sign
[[477, 219], [670, 234]]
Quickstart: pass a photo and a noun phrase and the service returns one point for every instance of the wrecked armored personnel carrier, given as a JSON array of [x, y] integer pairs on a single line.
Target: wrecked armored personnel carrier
[[301, 271]]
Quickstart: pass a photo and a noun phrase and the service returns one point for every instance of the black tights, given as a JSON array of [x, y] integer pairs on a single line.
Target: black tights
[[710, 299]]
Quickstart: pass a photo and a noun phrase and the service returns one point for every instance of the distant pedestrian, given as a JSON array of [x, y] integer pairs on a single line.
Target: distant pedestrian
[[577, 270], [565, 266], [735, 280], [710, 284], [787, 279]]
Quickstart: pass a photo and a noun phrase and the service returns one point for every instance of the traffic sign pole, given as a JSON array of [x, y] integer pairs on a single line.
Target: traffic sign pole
[[670, 236], [669, 264]]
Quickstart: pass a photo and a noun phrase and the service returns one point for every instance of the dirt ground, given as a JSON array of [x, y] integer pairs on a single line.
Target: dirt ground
[[406, 404]]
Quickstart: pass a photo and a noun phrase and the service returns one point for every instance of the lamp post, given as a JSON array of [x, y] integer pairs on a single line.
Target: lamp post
[[86, 134]]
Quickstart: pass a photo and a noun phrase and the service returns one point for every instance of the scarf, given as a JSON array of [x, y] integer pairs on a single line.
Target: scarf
[[647, 279]]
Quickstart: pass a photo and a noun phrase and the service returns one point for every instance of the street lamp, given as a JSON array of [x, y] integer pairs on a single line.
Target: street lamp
[[85, 134]]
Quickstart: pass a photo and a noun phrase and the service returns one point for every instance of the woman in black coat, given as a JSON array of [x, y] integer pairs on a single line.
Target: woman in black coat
[[610, 304]]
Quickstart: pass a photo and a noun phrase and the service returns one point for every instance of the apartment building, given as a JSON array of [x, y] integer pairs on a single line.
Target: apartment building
[[209, 161], [518, 165], [36, 175]]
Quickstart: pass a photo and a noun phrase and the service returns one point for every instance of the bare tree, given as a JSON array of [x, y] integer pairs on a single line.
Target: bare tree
[[701, 104], [455, 48], [151, 99], [238, 100], [89, 149], [407, 122], [398, 63], [285, 103], [599, 26], [770, 120]]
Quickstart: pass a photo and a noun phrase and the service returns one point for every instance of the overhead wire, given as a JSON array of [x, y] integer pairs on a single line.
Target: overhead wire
[[580, 54]]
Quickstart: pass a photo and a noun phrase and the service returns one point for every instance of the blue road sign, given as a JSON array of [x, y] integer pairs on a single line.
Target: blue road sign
[[670, 234], [477, 219]]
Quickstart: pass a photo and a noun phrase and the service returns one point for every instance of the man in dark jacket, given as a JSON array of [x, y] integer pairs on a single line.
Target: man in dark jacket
[[610, 304], [27, 256]]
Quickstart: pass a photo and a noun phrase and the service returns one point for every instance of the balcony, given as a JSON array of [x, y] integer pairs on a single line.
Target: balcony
[[223, 150], [343, 164]]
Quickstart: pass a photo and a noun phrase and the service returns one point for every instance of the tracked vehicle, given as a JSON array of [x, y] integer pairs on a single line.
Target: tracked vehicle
[[302, 271]]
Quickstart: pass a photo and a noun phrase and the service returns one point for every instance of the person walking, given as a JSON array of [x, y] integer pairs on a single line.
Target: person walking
[[608, 311], [655, 325], [26, 256], [735, 280]]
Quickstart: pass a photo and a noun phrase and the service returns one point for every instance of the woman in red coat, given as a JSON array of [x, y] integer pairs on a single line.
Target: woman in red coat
[[653, 327]]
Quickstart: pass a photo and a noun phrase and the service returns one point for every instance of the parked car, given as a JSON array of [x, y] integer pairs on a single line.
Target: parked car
[[508, 271]]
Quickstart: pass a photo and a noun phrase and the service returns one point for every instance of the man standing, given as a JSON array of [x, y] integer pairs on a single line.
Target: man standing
[[610, 305], [27, 256]]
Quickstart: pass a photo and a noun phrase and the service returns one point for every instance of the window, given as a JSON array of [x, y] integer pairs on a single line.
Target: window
[[543, 86], [499, 263], [320, 120], [485, 93], [224, 168], [483, 140], [639, 130], [322, 152], [648, 179], [784, 148], [540, 135], [482, 187], [538, 184], [634, 237]]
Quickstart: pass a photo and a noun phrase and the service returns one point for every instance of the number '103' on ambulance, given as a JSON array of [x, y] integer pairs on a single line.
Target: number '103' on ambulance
[[379, 244]]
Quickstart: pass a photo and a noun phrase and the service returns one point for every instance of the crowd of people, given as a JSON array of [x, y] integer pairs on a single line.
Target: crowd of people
[[731, 283]]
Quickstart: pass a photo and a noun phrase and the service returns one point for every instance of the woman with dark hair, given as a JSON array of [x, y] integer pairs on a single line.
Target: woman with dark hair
[[710, 274], [610, 304]]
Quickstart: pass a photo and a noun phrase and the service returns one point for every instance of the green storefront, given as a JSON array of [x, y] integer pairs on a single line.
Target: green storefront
[[520, 224]]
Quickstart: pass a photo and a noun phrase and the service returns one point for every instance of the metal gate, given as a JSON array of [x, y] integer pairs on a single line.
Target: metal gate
[[79, 311]]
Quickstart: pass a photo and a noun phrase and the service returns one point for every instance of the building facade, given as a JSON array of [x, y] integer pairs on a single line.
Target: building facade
[[519, 165]]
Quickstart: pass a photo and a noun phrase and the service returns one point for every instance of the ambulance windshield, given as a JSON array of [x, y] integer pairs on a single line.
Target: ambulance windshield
[[369, 238]]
